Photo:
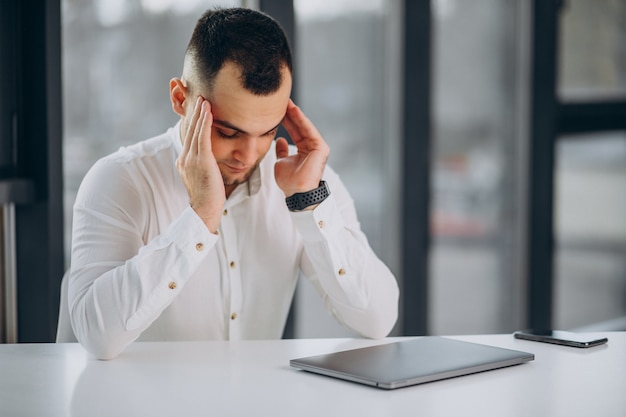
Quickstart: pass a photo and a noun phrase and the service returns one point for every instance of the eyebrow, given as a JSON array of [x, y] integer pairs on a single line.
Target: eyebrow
[[228, 125]]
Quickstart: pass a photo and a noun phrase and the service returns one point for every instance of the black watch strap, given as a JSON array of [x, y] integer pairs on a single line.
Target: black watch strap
[[300, 201]]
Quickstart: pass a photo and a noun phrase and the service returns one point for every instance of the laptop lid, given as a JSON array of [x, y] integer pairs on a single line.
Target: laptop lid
[[411, 362]]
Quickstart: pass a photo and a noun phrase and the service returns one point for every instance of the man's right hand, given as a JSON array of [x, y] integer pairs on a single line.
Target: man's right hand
[[198, 168]]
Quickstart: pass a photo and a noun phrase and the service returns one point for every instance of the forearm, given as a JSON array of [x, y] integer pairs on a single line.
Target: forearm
[[377, 310], [357, 288]]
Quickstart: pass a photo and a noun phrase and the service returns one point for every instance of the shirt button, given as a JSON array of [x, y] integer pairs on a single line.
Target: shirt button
[[321, 224], [225, 212], [232, 264], [172, 285], [233, 316], [341, 272], [199, 246]]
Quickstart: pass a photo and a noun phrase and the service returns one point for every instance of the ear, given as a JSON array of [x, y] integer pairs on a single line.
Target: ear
[[178, 95]]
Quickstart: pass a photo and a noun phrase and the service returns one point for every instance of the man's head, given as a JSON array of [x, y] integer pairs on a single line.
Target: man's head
[[239, 60], [251, 40]]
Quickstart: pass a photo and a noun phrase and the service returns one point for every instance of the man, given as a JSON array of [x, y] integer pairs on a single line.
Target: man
[[200, 233]]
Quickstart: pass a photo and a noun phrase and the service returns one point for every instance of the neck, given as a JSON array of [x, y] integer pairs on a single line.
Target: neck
[[229, 189]]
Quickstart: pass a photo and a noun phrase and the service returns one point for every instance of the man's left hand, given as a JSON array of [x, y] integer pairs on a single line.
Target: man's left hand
[[303, 171]]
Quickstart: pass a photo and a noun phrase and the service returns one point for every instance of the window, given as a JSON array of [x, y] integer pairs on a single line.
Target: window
[[478, 164], [590, 270], [592, 55]]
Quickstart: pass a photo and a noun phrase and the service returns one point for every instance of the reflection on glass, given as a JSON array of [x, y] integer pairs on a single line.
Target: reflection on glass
[[118, 58], [590, 231], [477, 168], [592, 57]]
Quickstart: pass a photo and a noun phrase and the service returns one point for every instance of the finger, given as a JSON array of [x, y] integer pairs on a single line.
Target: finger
[[199, 118], [288, 123], [192, 123], [297, 123], [282, 148], [204, 131]]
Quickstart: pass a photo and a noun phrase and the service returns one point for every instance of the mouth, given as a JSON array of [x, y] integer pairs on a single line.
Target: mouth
[[236, 169]]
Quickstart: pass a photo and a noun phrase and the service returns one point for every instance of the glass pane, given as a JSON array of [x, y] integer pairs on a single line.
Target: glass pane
[[118, 58], [344, 78], [590, 231], [478, 166], [592, 55]]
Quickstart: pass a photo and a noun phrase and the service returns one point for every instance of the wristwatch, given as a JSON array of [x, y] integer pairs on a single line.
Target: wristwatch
[[300, 201]]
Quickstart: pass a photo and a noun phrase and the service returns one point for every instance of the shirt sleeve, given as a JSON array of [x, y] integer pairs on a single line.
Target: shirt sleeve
[[357, 287], [119, 284]]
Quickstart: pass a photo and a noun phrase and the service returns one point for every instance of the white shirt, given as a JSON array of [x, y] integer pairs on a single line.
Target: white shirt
[[144, 266]]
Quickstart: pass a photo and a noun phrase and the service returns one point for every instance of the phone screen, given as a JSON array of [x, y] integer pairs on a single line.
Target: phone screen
[[561, 337]]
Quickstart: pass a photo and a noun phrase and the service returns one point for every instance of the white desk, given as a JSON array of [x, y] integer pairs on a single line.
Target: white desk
[[253, 378]]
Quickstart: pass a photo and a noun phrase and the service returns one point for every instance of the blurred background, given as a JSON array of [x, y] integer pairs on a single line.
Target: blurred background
[[351, 77]]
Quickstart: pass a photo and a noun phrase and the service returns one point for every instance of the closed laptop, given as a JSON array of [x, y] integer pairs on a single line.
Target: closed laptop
[[409, 362]]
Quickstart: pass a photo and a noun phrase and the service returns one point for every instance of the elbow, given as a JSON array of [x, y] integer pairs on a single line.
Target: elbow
[[104, 336], [102, 352], [380, 327], [98, 345], [384, 317], [94, 338], [377, 323]]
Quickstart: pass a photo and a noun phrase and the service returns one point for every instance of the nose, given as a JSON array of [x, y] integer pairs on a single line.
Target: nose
[[246, 151]]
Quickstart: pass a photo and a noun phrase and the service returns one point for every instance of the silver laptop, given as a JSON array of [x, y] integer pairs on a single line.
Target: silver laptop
[[411, 362]]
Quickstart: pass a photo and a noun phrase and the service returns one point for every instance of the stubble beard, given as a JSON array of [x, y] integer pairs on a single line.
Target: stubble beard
[[233, 182]]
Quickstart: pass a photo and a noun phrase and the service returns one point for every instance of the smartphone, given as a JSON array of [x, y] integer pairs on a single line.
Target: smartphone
[[561, 337]]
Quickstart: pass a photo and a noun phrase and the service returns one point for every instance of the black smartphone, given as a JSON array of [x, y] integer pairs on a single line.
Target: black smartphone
[[561, 337]]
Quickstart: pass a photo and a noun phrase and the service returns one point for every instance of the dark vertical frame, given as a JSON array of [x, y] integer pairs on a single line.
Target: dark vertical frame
[[7, 89], [543, 115], [416, 142], [283, 12], [39, 225]]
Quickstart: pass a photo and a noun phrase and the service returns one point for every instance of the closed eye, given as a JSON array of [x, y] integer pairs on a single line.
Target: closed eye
[[271, 133], [223, 134]]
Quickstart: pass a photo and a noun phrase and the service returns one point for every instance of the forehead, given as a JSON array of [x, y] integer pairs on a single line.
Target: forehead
[[234, 104]]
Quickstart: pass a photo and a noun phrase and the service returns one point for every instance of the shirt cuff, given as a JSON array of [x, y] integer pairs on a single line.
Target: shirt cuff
[[189, 230], [315, 225]]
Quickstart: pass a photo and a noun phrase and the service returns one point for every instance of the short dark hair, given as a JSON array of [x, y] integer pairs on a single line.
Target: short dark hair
[[250, 39]]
